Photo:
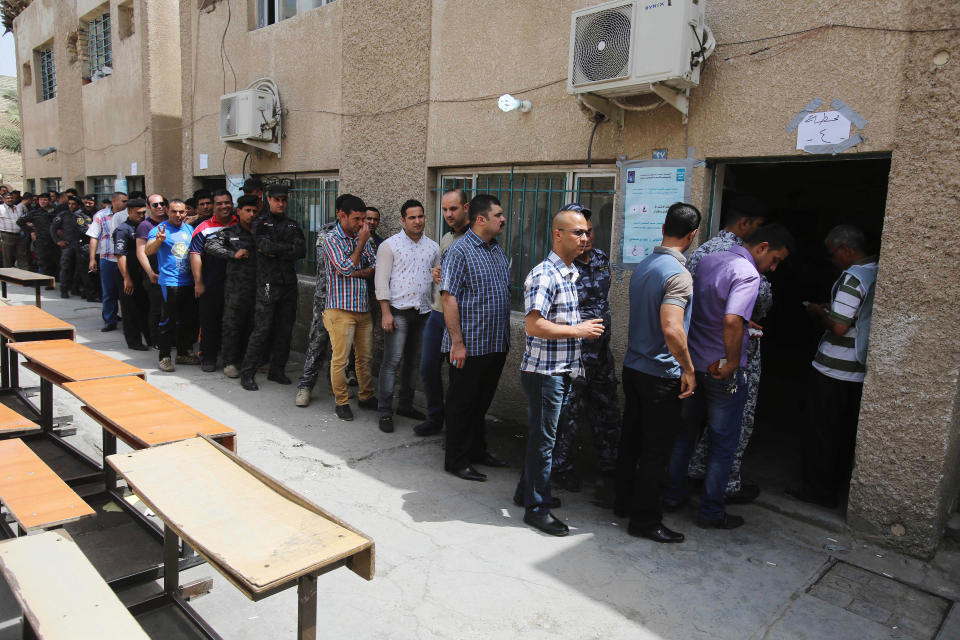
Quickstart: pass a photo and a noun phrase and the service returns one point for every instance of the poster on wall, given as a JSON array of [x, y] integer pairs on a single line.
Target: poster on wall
[[648, 193]]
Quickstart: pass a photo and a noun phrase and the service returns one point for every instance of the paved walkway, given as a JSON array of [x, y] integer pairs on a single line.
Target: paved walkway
[[454, 559]]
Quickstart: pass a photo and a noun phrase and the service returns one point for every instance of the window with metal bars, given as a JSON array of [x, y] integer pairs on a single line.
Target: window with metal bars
[[51, 184], [48, 74], [530, 198], [312, 203], [102, 187], [99, 46]]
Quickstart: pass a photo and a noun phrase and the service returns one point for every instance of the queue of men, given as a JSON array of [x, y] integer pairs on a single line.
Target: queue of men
[[223, 275]]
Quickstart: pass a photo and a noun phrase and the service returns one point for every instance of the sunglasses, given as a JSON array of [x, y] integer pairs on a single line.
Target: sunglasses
[[158, 205], [577, 232]]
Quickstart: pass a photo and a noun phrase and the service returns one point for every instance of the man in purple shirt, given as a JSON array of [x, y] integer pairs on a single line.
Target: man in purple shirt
[[724, 292]]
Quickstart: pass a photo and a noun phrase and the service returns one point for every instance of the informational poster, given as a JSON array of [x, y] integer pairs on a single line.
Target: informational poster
[[648, 193], [823, 127]]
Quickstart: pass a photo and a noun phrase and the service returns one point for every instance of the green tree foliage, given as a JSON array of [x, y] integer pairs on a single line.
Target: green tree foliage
[[11, 131]]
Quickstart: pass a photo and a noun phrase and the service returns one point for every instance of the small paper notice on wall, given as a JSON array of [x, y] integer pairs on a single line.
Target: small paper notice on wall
[[120, 184], [133, 168], [823, 127], [204, 161]]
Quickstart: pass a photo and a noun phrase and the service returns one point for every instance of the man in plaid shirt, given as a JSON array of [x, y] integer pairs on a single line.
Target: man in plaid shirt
[[550, 361], [350, 259]]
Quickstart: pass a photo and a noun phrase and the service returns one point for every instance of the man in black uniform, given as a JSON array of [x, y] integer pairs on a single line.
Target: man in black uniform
[[65, 230], [133, 297], [37, 222], [237, 247], [280, 244]]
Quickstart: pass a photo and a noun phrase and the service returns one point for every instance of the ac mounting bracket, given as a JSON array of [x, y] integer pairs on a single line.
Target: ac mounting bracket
[[243, 145], [604, 106], [679, 100]]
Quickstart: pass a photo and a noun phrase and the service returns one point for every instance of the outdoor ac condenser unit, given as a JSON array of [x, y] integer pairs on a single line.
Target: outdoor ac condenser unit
[[247, 115], [630, 47]]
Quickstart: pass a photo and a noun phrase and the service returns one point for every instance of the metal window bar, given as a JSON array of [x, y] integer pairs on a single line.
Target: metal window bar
[[312, 203], [102, 188], [48, 75], [99, 45], [51, 184]]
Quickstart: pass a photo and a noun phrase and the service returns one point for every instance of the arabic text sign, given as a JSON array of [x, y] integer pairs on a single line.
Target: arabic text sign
[[649, 193], [823, 127]]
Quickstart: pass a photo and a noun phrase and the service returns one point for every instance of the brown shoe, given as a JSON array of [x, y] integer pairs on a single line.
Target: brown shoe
[[187, 358]]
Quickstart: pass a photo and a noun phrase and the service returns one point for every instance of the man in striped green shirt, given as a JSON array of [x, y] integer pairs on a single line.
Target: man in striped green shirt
[[836, 381]]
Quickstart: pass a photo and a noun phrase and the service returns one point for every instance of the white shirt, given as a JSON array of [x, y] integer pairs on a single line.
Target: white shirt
[[8, 219], [403, 271]]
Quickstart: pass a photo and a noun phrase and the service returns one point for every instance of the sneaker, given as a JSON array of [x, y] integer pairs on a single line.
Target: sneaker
[[166, 364], [386, 424], [410, 412], [231, 371], [344, 412], [208, 367], [187, 358], [369, 403], [303, 397]]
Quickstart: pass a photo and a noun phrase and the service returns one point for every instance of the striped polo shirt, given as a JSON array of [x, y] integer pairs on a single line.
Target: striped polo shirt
[[851, 304], [344, 291]]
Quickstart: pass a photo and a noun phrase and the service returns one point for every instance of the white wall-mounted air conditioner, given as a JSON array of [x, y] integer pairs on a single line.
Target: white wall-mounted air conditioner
[[626, 47], [247, 115]]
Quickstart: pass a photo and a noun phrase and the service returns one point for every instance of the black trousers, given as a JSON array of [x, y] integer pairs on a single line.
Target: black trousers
[[48, 258], [154, 308], [210, 305], [276, 311], [651, 421], [833, 410], [85, 283], [133, 307], [68, 266], [469, 396], [178, 322], [237, 324]]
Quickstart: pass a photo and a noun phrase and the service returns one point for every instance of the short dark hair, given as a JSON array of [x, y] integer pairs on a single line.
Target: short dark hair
[[743, 206], [460, 192], [410, 204], [190, 202], [248, 201], [481, 204], [117, 193], [349, 203], [200, 194], [681, 219], [776, 235], [374, 209], [133, 194], [174, 201], [71, 191], [847, 235], [219, 193], [43, 194]]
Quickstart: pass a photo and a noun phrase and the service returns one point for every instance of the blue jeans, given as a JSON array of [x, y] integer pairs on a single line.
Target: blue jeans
[[723, 412], [430, 362], [546, 397], [403, 342], [110, 284]]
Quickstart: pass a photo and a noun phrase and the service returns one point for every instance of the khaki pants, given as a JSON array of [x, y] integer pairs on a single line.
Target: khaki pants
[[346, 329]]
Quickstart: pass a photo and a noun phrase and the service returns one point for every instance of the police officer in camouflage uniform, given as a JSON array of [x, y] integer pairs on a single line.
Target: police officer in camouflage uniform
[[593, 397], [67, 230], [238, 247], [318, 341], [280, 244], [37, 222]]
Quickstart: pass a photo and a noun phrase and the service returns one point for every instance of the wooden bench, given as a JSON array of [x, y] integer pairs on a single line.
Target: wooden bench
[[24, 278], [35, 496], [258, 534], [14, 425], [25, 324], [62, 596]]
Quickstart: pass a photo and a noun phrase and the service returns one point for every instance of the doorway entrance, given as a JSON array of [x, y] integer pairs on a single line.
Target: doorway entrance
[[810, 197]]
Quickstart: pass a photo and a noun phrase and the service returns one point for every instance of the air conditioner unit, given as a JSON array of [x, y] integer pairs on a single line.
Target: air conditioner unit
[[630, 47], [247, 115]]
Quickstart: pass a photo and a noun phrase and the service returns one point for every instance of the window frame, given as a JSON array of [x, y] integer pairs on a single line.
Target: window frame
[[99, 55], [47, 66], [262, 9], [325, 196]]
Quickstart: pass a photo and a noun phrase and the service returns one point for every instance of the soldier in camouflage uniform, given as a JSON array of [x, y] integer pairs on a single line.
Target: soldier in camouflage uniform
[[238, 247], [593, 398], [67, 230], [280, 244], [744, 216], [318, 340]]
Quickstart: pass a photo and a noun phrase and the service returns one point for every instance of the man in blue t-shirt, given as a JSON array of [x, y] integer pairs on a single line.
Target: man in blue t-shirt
[[170, 242]]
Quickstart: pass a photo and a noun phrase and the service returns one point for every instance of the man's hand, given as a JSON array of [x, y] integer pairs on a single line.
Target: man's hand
[[458, 355], [127, 286], [241, 254], [435, 272], [387, 322], [154, 278], [364, 234], [724, 372], [688, 382], [61, 243], [590, 329], [92, 266], [815, 310], [162, 232], [198, 289]]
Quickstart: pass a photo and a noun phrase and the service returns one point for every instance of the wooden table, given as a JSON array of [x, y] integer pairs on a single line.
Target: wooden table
[[26, 324], [258, 534], [24, 278], [14, 425]]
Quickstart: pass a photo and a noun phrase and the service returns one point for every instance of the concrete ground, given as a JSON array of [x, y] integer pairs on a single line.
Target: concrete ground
[[454, 559]]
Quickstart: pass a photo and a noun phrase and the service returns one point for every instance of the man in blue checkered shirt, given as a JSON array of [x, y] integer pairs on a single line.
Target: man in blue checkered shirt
[[550, 361], [475, 294]]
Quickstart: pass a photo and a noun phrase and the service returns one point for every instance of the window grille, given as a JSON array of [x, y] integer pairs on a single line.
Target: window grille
[[102, 187], [312, 203], [51, 184], [99, 46], [48, 74]]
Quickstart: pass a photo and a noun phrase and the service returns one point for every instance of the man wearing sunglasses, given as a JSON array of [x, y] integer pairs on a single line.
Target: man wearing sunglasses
[[156, 213]]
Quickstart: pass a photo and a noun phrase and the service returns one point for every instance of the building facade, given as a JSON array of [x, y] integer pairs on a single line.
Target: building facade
[[396, 100]]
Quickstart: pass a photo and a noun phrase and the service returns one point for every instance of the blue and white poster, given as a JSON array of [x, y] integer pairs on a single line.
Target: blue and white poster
[[649, 192]]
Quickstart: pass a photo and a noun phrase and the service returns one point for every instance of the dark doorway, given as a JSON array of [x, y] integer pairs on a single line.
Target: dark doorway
[[810, 198]]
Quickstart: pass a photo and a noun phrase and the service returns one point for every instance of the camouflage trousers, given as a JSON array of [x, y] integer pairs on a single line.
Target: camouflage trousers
[[593, 400], [697, 467], [318, 345]]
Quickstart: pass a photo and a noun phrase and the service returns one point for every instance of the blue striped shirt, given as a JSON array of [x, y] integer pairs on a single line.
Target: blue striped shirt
[[551, 289], [478, 276], [343, 290]]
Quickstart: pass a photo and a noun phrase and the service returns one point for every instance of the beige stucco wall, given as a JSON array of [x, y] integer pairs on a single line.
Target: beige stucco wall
[[11, 164]]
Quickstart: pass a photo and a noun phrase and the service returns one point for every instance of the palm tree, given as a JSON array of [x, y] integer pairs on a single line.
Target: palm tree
[[10, 9], [11, 131]]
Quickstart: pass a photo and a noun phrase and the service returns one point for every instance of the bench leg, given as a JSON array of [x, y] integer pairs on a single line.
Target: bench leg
[[46, 404], [4, 363], [3, 286], [38, 296], [14, 366], [27, 632], [171, 567], [307, 607], [109, 448]]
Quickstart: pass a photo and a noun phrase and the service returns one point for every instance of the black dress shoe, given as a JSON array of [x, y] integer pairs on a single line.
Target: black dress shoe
[[386, 424], [728, 521], [469, 473], [138, 347], [554, 502], [279, 377], [658, 533], [427, 429], [109, 327], [208, 367], [369, 403], [747, 493], [344, 412], [545, 521], [410, 412], [248, 383], [806, 495], [490, 460]]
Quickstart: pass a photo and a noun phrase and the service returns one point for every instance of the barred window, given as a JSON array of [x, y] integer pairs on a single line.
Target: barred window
[[48, 74], [312, 203], [99, 46], [51, 184], [102, 187]]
